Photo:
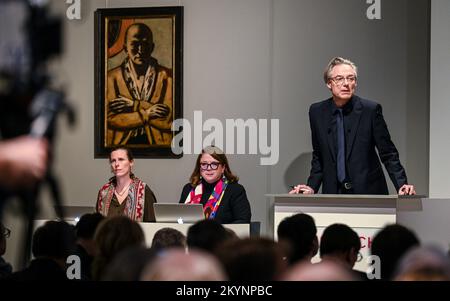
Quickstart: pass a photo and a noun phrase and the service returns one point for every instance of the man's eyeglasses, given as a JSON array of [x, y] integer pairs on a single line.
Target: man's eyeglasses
[[212, 165], [6, 232], [339, 80]]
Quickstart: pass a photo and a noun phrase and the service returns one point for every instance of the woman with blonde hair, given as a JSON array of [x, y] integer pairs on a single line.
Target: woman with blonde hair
[[125, 194]]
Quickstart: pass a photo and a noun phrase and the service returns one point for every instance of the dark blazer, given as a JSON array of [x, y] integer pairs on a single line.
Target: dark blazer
[[234, 207], [365, 130]]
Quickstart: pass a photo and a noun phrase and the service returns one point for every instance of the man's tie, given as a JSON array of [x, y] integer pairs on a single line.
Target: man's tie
[[340, 158]]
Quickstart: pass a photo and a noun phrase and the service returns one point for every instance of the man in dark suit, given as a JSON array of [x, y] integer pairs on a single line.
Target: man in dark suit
[[345, 131]]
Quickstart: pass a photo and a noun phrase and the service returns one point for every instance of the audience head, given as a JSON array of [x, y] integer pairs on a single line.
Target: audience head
[[112, 236], [423, 264], [323, 271], [231, 235], [54, 239], [86, 226], [252, 259], [128, 264], [390, 244], [168, 238], [206, 235], [339, 242], [177, 265], [300, 233]]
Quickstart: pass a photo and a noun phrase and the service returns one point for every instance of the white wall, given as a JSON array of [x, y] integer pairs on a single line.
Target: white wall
[[431, 224], [222, 71], [439, 99], [392, 57]]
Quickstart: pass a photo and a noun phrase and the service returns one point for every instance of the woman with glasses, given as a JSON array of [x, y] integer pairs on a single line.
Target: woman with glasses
[[124, 193], [213, 185]]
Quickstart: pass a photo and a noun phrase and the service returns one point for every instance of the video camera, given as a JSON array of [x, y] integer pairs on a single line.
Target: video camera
[[28, 105]]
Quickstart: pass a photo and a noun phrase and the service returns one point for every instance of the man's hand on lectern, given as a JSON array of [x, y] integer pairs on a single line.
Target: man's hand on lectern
[[407, 190], [301, 188]]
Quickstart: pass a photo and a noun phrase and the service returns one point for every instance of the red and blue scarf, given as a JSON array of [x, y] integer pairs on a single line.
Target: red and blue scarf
[[214, 200]]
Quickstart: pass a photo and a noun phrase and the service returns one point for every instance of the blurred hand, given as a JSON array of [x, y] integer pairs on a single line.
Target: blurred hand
[[301, 188], [23, 161], [407, 190]]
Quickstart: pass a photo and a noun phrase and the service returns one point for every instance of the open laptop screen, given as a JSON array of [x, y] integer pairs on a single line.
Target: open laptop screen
[[178, 213]]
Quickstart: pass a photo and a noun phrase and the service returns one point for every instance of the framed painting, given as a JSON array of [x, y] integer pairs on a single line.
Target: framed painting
[[138, 79]]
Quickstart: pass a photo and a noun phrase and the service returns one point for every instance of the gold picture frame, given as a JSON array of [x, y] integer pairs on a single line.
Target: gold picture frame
[[138, 79]]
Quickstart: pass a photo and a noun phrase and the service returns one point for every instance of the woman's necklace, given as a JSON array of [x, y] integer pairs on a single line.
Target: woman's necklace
[[124, 190]]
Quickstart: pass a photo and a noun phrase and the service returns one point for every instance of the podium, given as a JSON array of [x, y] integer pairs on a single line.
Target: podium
[[366, 214]]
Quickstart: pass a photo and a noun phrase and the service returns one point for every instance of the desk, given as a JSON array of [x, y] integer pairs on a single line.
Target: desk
[[242, 230]]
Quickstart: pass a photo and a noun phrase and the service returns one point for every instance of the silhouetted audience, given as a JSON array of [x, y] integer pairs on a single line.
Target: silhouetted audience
[[52, 244], [5, 267], [390, 244], [423, 264], [86, 248], [341, 245], [176, 265], [206, 235], [299, 232], [112, 236], [326, 271], [168, 238], [216, 187], [252, 259], [231, 235], [129, 264]]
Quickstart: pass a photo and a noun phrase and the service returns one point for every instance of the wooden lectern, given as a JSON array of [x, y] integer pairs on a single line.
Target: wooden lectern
[[366, 214]]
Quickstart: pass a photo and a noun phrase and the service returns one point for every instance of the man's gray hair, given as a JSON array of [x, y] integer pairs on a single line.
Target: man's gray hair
[[337, 61]]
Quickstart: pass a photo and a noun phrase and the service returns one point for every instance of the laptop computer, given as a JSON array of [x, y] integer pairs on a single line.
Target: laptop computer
[[178, 213]]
